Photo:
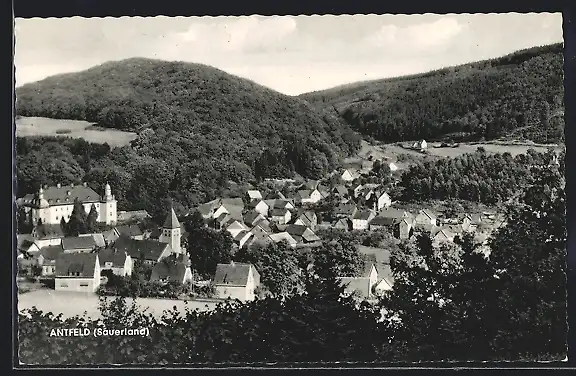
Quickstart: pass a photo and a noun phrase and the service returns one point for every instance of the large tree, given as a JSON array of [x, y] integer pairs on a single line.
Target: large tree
[[77, 223], [207, 248]]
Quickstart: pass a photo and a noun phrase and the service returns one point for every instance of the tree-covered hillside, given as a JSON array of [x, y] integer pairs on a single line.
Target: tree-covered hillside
[[199, 129], [519, 95]]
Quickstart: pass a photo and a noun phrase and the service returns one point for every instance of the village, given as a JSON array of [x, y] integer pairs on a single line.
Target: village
[[344, 201]]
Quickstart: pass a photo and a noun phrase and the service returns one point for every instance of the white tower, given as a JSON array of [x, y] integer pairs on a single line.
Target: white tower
[[41, 209], [171, 232], [108, 207]]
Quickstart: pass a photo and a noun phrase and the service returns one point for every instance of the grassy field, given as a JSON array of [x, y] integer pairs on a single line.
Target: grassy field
[[72, 303], [37, 126], [513, 149]]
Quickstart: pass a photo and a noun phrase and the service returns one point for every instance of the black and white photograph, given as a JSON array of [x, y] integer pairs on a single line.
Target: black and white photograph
[[290, 190]]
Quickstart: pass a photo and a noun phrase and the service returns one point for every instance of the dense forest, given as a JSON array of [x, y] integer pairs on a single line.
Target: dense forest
[[519, 95], [196, 118], [479, 177]]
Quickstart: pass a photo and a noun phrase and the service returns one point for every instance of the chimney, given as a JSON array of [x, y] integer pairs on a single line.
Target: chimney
[[58, 185]]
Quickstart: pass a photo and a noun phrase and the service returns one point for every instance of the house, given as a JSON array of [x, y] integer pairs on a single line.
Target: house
[[349, 175], [342, 224], [310, 185], [259, 206], [471, 222], [119, 262], [394, 213], [443, 235], [134, 215], [236, 281], [207, 209], [379, 201], [281, 216], [424, 228], [306, 196], [283, 236], [26, 244], [425, 216], [252, 218], [98, 239], [307, 218], [420, 145], [355, 190], [302, 234], [392, 166], [361, 283], [242, 238], [82, 244], [111, 235], [46, 259], [77, 272], [324, 190], [131, 231], [171, 271], [232, 206], [340, 191], [235, 227], [379, 222], [404, 229], [361, 219], [253, 195], [280, 204], [45, 235], [345, 210], [149, 251], [259, 236], [51, 204]]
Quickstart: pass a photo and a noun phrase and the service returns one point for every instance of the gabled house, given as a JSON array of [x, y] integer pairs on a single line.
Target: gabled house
[[45, 235], [284, 236], [324, 190], [340, 191], [349, 175], [259, 236], [235, 227], [253, 195], [149, 251], [260, 206], [171, 271], [379, 223], [361, 219], [46, 259], [207, 209], [343, 224], [362, 283], [420, 145], [79, 244], [307, 218], [26, 244], [252, 218], [242, 238], [306, 196], [77, 272], [119, 262], [131, 231], [379, 201], [471, 222], [302, 234], [281, 216], [310, 185], [355, 190], [425, 216], [347, 210], [98, 239], [394, 213], [443, 235], [236, 281]]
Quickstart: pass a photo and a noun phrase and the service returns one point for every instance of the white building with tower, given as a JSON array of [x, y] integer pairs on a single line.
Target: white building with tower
[[51, 204]]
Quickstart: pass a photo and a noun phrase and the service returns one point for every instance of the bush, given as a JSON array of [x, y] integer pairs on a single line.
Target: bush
[[63, 131]]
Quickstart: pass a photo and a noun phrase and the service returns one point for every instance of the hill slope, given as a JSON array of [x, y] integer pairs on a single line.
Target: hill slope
[[199, 128], [519, 95]]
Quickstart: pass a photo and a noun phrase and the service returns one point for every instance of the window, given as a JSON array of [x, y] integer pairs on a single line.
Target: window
[[83, 284], [110, 214], [63, 284], [57, 217]]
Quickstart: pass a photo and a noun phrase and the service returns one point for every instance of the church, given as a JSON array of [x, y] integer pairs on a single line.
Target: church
[[51, 204]]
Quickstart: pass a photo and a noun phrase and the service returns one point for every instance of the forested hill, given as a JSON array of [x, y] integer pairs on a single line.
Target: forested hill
[[519, 96], [199, 128], [204, 110]]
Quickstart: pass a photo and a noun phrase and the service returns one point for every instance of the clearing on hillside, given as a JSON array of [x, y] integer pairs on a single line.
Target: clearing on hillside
[[39, 126]]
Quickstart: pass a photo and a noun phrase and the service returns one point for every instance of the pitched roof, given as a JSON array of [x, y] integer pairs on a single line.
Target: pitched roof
[[340, 189], [129, 230], [296, 229], [60, 196], [254, 194], [341, 223], [393, 213], [208, 207], [276, 238], [384, 221], [427, 213], [252, 217], [171, 221], [241, 235], [51, 252], [117, 258], [424, 227], [172, 271], [276, 212], [254, 203], [72, 263], [150, 249], [345, 209], [304, 193], [79, 242], [363, 215], [98, 239], [235, 274]]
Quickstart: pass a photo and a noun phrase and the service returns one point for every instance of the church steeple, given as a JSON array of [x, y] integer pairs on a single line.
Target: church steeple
[[171, 233]]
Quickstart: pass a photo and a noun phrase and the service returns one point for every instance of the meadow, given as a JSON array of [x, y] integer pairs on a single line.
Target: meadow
[[39, 126], [74, 303]]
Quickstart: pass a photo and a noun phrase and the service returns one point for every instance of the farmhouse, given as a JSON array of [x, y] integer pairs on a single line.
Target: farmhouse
[[345, 210], [120, 263], [46, 259], [236, 281], [281, 216], [302, 234], [425, 216], [284, 236], [252, 218], [171, 271], [242, 237], [349, 175], [361, 219], [308, 197], [51, 204], [259, 206], [380, 201], [77, 272], [307, 218]]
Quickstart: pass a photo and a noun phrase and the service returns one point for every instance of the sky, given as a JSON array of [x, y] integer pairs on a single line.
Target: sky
[[291, 54]]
